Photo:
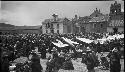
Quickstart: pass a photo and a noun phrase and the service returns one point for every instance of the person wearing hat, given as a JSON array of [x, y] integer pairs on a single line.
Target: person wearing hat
[[52, 61], [67, 65], [54, 52], [114, 56], [36, 66], [83, 57], [90, 60]]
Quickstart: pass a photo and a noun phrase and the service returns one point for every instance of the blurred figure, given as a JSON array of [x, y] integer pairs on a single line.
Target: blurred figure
[[83, 57], [104, 61], [114, 56], [51, 61], [90, 60], [5, 64], [36, 66], [67, 65]]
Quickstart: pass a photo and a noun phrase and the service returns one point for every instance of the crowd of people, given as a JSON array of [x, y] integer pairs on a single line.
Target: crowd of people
[[14, 46]]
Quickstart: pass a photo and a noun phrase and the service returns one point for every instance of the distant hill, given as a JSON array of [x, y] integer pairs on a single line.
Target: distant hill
[[6, 25]]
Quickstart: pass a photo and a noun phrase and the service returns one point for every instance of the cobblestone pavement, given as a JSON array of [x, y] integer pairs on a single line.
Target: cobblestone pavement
[[80, 67]]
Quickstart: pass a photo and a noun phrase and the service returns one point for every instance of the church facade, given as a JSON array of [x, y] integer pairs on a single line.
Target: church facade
[[96, 22], [116, 23], [100, 23]]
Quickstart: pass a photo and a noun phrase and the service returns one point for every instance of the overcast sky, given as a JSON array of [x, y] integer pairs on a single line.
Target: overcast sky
[[34, 12]]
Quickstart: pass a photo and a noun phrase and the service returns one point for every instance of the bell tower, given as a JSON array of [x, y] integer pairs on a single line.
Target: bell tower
[[115, 9]]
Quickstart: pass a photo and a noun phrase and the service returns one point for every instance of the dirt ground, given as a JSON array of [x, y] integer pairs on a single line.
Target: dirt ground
[[80, 67]]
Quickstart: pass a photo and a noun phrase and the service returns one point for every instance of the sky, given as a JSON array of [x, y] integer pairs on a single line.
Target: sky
[[31, 13]]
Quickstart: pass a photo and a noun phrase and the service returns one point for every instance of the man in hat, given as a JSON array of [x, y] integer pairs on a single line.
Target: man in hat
[[54, 52], [36, 66], [83, 57], [67, 65], [114, 56], [90, 60]]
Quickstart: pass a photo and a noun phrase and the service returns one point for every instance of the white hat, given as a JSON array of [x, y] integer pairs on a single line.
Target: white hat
[[83, 53], [88, 49]]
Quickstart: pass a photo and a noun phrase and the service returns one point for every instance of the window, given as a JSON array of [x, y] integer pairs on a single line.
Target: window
[[58, 31], [94, 25], [46, 31], [57, 26], [101, 25], [51, 25]]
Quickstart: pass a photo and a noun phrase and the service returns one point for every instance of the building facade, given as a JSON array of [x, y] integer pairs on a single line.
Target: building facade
[[100, 23], [56, 25], [96, 22], [116, 23]]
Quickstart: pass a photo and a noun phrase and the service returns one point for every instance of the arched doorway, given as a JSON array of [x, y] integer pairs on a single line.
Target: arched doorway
[[115, 30]]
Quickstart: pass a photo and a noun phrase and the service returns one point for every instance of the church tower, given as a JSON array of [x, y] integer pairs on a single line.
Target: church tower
[[115, 9]]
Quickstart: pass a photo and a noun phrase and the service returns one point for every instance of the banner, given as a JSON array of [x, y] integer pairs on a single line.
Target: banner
[[85, 40], [60, 44], [69, 41]]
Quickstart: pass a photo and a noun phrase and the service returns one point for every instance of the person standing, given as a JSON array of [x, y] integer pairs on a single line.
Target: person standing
[[36, 66], [90, 60], [5, 64], [114, 56]]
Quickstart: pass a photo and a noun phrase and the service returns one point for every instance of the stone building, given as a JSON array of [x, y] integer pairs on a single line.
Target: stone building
[[96, 22], [56, 25], [116, 23]]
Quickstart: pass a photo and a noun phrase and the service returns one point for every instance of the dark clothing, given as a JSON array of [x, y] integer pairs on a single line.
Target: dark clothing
[[43, 53], [36, 67], [67, 65], [35, 58], [90, 61], [50, 65], [115, 65], [5, 66]]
